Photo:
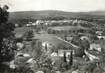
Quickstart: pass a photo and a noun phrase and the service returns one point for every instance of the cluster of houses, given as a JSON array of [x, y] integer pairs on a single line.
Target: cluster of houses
[[58, 23]]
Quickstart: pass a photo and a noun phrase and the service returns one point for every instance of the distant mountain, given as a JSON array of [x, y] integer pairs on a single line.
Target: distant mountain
[[97, 13], [18, 16], [38, 14]]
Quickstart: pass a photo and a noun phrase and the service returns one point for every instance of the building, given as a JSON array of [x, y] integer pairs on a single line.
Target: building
[[95, 46], [61, 52]]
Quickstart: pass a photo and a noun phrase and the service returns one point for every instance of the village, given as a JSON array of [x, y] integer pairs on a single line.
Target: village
[[62, 46]]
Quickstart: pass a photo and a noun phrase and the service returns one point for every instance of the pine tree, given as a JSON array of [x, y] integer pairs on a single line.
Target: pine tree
[[71, 59], [64, 57]]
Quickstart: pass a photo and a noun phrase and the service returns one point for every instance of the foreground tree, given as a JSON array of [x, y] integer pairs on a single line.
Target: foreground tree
[[7, 44]]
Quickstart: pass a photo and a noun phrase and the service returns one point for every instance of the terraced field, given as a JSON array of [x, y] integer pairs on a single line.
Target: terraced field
[[56, 41]]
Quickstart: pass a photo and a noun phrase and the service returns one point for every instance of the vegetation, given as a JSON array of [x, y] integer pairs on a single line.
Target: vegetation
[[7, 35], [29, 35], [7, 42], [37, 49]]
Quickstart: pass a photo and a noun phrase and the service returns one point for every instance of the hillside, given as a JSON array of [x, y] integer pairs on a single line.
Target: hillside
[[19, 16]]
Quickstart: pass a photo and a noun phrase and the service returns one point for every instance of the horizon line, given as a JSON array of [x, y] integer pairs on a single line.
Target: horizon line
[[58, 10]]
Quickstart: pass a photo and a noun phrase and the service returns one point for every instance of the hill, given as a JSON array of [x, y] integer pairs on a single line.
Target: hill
[[33, 15], [102, 13]]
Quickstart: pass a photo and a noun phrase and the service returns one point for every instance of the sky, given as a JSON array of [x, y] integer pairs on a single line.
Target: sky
[[64, 5]]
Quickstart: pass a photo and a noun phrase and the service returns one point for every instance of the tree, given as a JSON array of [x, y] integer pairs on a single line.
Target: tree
[[64, 64], [29, 34], [7, 44], [84, 44], [64, 56], [7, 38], [71, 59]]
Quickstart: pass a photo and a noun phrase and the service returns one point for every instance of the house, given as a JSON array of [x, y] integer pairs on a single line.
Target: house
[[46, 46], [22, 54], [95, 46], [54, 54], [20, 45], [100, 37], [33, 24], [39, 72], [61, 52], [99, 32], [69, 38], [28, 25], [84, 37], [92, 55], [38, 22]]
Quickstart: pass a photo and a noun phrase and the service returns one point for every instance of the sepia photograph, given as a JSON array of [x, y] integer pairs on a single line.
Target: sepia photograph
[[52, 36]]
